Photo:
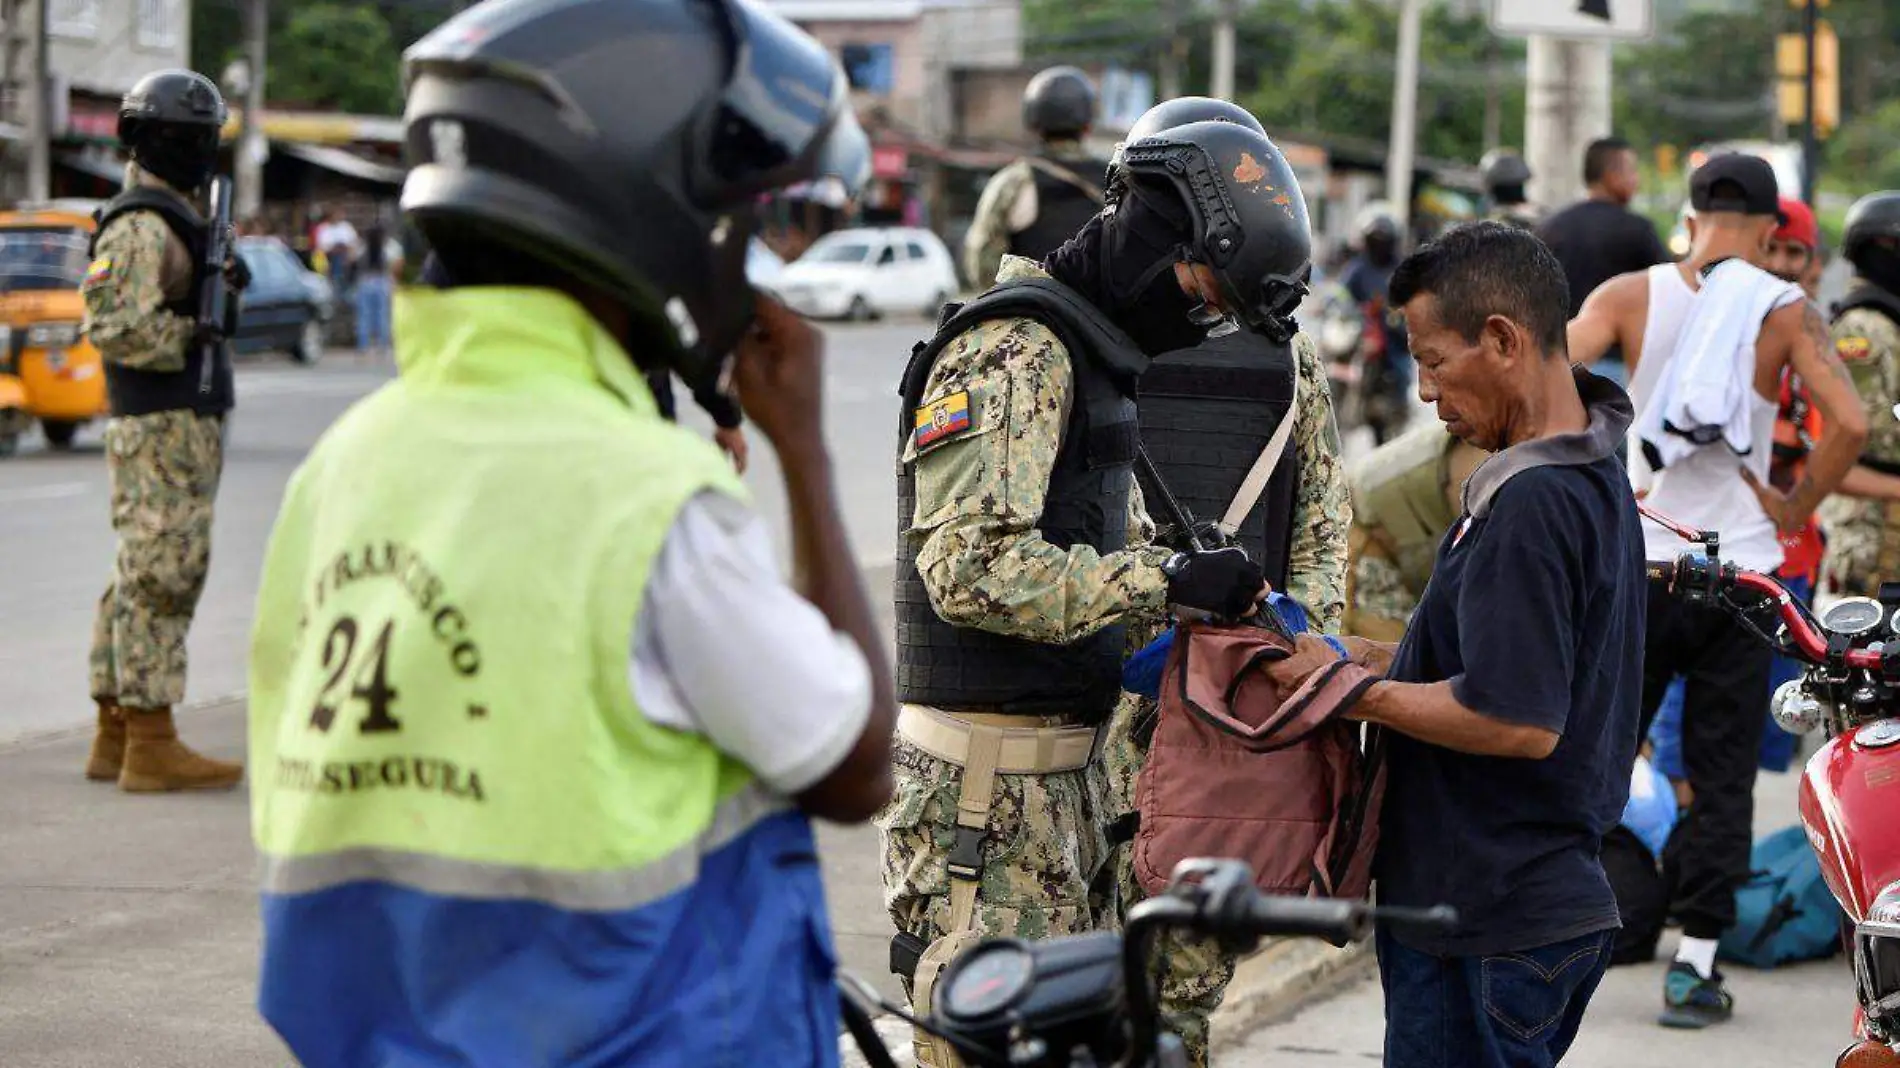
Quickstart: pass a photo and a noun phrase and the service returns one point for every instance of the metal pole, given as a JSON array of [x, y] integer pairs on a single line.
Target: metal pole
[[1566, 106], [1399, 155], [39, 168], [1224, 32], [1810, 141], [249, 157], [1171, 49]]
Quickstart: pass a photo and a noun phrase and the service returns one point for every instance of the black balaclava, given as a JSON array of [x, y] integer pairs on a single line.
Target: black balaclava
[[1880, 265], [1381, 250], [1123, 262]]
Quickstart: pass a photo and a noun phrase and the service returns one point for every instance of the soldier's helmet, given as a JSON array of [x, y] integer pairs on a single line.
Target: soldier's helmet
[[1250, 221], [170, 122], [523, 137], [1177, 112], [1059, 102], [1504, 168], [1872, 217], [1377, 221]]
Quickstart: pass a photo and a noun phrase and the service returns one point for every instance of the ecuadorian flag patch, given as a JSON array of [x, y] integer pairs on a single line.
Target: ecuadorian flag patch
[[942, 418], [1854, 349], [100, 270]]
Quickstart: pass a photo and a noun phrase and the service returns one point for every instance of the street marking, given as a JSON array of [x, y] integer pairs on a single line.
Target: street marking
[[44, 493]]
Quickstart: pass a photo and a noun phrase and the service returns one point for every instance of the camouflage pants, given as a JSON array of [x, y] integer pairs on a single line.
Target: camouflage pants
[[1042, 850], [164, 471], [1194, 971]]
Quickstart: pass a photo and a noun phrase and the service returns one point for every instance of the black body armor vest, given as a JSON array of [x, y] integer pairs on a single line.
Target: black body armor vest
[[1206, 412], [1087, 504], [207, 391], [1061, 208]]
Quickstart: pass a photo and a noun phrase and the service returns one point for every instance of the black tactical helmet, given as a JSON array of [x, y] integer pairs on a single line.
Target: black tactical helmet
[[1873, 216], [1377, 220], [1503, 167], [170, 123], [1177, 112], [525, 135], [1250, 223], [1059, 102]]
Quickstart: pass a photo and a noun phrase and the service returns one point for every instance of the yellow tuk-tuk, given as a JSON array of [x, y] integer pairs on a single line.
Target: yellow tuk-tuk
[[48, 371]]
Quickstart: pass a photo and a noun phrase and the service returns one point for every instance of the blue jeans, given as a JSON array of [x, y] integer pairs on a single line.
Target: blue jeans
[[1509, 1010], [372, 312]]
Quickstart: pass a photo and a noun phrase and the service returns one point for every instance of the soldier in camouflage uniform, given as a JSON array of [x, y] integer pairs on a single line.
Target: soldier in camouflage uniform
[[1025, 549], [169, 381], [1032, 206], [1862, 519], [1405, 496], [1505, 175]]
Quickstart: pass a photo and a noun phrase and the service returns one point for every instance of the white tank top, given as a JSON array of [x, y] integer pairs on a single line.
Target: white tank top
[[1705, 488]]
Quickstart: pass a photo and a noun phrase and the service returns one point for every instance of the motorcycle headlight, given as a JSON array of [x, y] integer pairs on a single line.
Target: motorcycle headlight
[[1796, 710], [52, 335]]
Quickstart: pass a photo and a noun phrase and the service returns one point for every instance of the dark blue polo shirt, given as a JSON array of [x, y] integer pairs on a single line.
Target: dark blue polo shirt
[[1535, 611]]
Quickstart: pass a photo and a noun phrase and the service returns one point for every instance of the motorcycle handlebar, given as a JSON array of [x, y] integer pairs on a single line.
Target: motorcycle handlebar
[[1694, 574]]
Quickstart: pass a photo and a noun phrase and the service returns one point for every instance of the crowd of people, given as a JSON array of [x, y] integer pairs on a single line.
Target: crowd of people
[[538, 729]]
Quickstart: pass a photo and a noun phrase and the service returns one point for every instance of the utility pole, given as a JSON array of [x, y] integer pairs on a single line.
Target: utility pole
[[1810, 135], [1399, 154], [1567, 105], [252, 146], [1172, 49], [39, 167], [1225, 30]]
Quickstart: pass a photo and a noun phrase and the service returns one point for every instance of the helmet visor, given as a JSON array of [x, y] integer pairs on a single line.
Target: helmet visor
[[785, 116]]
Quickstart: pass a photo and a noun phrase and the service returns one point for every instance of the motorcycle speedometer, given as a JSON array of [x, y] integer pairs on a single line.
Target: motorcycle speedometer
[[1851, 617], [989, 980]]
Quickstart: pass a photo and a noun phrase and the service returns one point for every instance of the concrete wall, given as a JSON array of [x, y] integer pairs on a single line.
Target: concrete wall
[[107, 45]]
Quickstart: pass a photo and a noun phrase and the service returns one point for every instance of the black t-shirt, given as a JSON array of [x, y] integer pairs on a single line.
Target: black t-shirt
[[1536, 613], [1595, 241]]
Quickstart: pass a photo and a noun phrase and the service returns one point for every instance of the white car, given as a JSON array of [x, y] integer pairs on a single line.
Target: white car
[[762, 266], [861, 273]]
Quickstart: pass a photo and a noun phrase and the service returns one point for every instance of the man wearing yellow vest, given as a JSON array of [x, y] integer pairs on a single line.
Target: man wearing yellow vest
[[536, 725]]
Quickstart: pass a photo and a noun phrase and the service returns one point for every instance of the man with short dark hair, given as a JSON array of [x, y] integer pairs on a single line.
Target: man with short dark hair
[[1510, 707], [1598, 238]]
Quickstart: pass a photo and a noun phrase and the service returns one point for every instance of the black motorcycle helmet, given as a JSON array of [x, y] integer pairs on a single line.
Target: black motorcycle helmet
[[170, 123], [1059, 102], [526, 136], [1169, 113], [1250, 222], [1872, 217]]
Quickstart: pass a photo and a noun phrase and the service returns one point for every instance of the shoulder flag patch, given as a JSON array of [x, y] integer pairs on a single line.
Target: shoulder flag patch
[[1854, 348], [941, 418], [100, 271]]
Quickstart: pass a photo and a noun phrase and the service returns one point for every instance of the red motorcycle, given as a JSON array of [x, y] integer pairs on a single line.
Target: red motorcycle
[[1850, 793]]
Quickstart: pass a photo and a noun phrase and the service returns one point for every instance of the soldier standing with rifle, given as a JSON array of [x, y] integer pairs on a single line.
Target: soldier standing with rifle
[[1863, 519], [156, 310], [1038, 202]]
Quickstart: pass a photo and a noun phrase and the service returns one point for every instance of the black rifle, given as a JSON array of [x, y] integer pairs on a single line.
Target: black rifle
[[215, 293]]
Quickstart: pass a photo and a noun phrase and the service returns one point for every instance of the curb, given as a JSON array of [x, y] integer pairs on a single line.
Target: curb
[[52, 735], [1273, 983]]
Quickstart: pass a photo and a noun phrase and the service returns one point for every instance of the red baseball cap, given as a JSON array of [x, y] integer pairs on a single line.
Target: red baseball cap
[[1798, 223]]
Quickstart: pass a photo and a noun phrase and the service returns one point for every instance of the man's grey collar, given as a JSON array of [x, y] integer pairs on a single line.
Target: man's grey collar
[[1610, 416]]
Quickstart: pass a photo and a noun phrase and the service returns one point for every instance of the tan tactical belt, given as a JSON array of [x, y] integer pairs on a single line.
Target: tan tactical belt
[[984, 745]]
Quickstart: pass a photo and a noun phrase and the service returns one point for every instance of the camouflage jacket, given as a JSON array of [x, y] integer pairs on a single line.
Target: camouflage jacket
[[987, 241], [138, 267], [1868, 343]]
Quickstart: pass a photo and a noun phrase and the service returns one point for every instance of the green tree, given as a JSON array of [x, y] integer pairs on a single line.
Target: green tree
[[336, 55]]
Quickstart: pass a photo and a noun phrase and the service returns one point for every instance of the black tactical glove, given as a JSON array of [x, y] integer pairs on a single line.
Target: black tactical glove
[[207, 335], [1222, 581], [237, 272]]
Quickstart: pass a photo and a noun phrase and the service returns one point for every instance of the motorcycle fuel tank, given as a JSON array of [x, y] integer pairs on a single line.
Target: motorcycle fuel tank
[[1850, 795]]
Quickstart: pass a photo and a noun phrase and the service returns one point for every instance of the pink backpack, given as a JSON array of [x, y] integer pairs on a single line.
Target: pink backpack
[[1233, 772]]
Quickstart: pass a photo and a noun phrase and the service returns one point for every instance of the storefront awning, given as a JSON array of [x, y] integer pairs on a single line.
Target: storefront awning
[[109, 170], [344, 163]]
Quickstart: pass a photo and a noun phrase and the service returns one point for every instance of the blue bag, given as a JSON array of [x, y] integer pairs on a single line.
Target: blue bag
[[1785, 911]]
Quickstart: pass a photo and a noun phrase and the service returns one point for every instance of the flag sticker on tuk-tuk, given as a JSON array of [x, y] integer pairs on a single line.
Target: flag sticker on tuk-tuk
[[100, 271]]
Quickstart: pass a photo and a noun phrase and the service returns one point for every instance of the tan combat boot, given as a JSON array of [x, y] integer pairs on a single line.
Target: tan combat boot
[[108, 743], [156, 761]]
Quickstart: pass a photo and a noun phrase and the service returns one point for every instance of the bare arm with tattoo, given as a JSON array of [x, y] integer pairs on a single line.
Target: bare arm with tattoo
[[1797, 336]]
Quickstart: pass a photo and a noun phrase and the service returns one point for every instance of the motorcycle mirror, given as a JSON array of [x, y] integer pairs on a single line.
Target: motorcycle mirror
[[1796, 710]]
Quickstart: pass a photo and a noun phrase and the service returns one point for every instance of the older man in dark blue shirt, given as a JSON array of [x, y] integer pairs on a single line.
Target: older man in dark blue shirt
[[1513, 702]]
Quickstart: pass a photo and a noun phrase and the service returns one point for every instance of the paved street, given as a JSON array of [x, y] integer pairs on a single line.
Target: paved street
[[128, 925]]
